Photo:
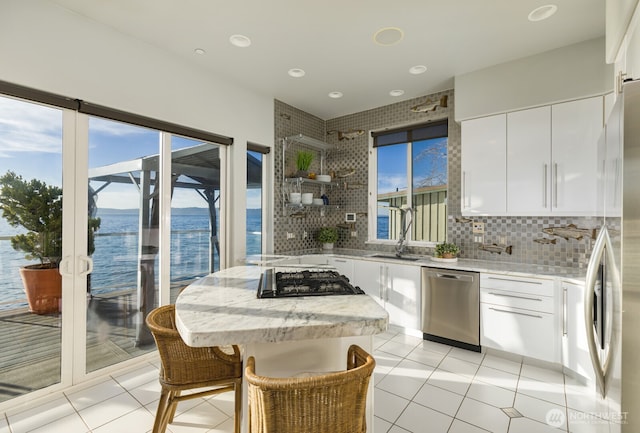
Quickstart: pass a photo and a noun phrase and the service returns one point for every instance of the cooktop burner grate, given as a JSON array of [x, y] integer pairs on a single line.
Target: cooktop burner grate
[[304, 283]]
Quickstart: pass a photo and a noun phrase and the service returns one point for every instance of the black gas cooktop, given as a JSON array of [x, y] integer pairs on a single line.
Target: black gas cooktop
[[304, 283]]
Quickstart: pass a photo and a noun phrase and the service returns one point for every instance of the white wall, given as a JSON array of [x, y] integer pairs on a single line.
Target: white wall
[[563, 74], [46, 47]]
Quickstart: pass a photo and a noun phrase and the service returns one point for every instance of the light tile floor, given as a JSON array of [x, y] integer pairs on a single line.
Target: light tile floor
[[420, 386]]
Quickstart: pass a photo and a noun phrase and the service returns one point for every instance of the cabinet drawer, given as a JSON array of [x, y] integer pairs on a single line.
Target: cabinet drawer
[[537, 286], [518, 331], [525, 301]]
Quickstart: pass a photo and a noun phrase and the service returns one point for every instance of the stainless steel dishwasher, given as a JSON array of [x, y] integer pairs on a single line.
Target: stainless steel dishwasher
[[451, 307]]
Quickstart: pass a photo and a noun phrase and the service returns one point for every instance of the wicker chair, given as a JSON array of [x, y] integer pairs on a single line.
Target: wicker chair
[[188, 368], [327, 403]]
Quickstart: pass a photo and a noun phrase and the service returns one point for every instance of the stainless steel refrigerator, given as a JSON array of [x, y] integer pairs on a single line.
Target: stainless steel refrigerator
[[612, 295]]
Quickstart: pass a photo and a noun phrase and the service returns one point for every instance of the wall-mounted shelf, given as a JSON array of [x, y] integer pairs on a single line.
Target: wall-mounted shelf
[[301, 180], [308, 141]]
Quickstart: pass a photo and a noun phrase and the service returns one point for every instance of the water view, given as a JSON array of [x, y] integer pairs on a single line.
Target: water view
[[116, 254]]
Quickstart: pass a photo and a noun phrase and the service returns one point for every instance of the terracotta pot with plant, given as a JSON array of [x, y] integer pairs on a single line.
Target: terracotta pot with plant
[[447, 251], [327, 236], [37, 207]]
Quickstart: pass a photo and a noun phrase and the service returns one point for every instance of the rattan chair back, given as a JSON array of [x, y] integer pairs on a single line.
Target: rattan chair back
[[185, 368], [327, 403]]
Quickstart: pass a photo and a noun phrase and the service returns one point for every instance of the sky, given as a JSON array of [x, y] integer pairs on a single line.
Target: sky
[[31, 145], [429, 165]]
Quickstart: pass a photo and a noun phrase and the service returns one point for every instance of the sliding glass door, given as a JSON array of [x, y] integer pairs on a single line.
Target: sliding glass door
[[124, 193], [140, 220], [30, 247]]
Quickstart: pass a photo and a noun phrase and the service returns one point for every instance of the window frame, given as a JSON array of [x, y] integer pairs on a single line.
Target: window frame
[[373, 179]]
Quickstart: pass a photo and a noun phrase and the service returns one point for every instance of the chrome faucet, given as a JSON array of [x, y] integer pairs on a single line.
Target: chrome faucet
[[404, 228]]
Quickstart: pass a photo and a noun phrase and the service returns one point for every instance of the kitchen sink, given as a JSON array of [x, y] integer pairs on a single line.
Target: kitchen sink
[[394, 257]]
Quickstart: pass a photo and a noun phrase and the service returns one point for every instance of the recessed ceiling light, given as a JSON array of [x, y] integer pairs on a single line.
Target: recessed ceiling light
[[296, 72], [388, 36], [542, 13], [240, 41], [418, 69], [199, 51], [335, 95], [396, 92]]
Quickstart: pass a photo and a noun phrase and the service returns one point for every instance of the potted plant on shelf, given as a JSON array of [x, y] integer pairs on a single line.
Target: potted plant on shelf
[[327, 236], [304, 158], [37, 207], [447, 250]]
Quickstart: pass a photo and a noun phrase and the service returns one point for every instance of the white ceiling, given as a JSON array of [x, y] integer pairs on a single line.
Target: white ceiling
[[332, 40]]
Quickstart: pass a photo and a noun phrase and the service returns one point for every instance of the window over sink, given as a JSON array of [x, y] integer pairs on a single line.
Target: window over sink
[[408, 168]]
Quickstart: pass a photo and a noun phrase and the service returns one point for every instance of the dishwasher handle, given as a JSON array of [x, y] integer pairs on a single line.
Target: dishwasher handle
[[453, 276]]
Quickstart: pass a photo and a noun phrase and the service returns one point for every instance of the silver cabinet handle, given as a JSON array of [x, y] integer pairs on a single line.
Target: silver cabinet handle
[[544, 187], [515, 281], [339, 261], [464, 189], [564, 311], [555, 185], [514, 296], [515, 312]]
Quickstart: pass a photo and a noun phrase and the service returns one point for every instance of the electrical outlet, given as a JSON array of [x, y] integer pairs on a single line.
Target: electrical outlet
[[291, 235], [354, 233], [478, 227], [305, 234]]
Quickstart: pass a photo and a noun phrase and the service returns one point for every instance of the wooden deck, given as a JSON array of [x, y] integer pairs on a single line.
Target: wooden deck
[[30, 343]]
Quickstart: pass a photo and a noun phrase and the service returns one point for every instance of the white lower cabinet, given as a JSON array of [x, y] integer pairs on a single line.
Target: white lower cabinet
[[518, 315], [342, 265], [575, 350], [394, 286]]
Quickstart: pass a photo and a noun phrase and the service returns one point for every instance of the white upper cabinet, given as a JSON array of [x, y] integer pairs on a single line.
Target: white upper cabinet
[[576, 127], [528, 161], [536, 162], [484, 166]]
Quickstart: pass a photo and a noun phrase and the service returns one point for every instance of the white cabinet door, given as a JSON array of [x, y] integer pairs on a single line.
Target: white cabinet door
[[528, 160], [394, 286], [343, 266], [519, 331], [484, 166], [403, 295], [575, 350], [370, 277], [576, 126]]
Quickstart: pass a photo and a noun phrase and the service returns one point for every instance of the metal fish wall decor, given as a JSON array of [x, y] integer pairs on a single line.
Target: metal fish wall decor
[[464, 220], [430, 105], [570, 231], [545, 241], [495, 248], [347, 135]]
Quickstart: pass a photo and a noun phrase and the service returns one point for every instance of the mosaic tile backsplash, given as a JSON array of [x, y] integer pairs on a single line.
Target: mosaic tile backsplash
[[296, 230]]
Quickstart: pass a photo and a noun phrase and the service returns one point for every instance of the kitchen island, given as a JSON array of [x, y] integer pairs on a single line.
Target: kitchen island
[[287, 336]]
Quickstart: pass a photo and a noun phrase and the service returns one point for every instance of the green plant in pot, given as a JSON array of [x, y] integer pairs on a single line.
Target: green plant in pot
[[37, 207], [327, 236], [304, 158], [447, 251]]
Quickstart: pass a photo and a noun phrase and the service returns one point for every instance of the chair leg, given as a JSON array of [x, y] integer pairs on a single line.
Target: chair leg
[[174, 406], [237, 418], [159, 424]]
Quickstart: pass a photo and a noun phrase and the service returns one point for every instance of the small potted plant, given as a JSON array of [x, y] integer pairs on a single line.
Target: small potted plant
[[447, 250], [327, 236], [304, 158]]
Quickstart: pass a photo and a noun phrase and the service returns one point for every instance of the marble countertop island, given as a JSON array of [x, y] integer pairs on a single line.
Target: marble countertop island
[[222, 308]]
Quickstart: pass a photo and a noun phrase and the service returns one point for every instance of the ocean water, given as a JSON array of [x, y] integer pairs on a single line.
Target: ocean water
[[115, 260]]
